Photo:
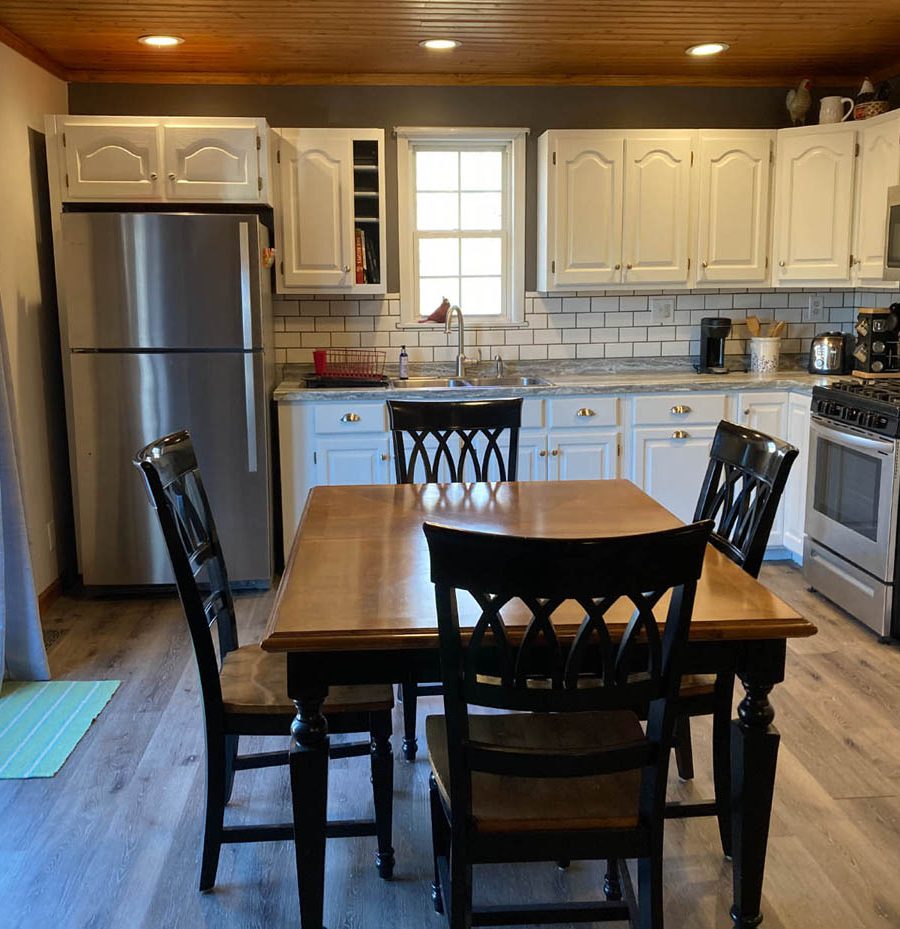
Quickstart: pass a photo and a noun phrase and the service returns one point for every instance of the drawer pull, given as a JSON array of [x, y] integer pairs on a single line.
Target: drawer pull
[[680, 434], [172, 175], [543, 453], [585, 411], [350, 418], [680, 409]]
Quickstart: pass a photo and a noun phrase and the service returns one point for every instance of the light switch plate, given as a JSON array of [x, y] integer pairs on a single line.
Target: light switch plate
[[662, 309], [815, 311]]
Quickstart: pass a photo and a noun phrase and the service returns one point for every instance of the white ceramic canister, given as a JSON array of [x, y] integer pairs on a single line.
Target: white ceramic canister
[[764, 354]]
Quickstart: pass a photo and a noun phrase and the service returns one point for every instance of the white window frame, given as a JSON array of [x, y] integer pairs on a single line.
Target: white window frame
[[408, 138]]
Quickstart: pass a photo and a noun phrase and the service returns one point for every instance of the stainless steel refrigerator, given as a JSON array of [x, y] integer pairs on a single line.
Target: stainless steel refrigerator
[[167, 325]]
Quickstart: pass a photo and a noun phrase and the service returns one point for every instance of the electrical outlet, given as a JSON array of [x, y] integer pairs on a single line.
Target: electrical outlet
[[662, 309], [51, 536], [815, 311]]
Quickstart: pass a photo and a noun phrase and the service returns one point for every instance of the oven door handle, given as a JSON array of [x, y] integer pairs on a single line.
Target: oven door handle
[[834, 433]]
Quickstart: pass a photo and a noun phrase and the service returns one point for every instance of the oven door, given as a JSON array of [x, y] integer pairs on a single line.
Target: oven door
[[892, 236], [850, 495]]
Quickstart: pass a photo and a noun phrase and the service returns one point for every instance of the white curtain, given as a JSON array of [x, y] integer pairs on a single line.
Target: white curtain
[[22, 654]]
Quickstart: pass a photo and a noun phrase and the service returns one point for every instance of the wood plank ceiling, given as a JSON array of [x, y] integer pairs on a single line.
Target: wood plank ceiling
[[503, 41]]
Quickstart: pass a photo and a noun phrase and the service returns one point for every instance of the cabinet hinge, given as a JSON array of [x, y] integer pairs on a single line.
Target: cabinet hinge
[[258, 143], [767, 261], [282, 269], [554, 158], [315, 457], [771, 155], [618, 451], [692, 159], [689, 264], [259, 183], [278, 156], [67, 178], [64, 140], [857, 150], [552, 265]]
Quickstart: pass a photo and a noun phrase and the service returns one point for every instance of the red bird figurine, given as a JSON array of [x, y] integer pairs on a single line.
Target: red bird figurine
[[439, 315]]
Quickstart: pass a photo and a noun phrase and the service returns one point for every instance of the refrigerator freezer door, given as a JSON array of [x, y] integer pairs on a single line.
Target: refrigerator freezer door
[[162, 280], [124, 401]]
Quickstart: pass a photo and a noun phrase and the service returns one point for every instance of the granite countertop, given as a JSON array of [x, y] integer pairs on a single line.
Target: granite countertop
[[626, 380]]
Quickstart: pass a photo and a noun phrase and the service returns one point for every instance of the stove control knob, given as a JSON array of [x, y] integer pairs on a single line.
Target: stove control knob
[[882, 422]]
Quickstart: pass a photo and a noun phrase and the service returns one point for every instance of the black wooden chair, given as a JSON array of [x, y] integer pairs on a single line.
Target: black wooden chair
[[566, 771], [244, 689], [455, 441], [741, 491]]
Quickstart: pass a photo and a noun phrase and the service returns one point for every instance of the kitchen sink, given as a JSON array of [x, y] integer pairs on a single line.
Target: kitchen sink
[[425, 383]]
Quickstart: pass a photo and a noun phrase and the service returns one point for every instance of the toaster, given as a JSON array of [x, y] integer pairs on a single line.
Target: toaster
[[831, 353]]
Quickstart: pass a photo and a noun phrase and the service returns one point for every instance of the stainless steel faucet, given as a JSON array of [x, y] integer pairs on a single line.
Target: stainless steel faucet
[[461, 329]]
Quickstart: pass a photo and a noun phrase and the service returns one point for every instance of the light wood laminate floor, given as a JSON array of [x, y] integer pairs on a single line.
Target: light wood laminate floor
[[113, 840]]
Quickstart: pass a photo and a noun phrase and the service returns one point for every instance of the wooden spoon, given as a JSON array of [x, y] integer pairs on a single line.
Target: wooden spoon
[[753, 325], [777, 329]]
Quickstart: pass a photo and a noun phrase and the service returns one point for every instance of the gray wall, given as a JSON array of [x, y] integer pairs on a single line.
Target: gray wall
[[538, 108]]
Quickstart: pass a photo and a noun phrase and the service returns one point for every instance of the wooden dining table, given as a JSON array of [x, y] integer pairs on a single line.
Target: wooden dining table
[[356, 606]]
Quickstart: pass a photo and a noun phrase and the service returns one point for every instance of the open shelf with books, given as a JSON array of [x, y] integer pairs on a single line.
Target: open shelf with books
[[367, 212]]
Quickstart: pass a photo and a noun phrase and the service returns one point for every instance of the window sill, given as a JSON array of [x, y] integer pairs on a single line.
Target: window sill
[[468, 325]]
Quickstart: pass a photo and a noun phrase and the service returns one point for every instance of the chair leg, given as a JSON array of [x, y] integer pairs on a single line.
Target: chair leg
[[383, 791], [409, 699], [439, 842], [460, 891], [231, 753], [721, 752], [216, 754], [612, 884], [684, 751], [650, 889]]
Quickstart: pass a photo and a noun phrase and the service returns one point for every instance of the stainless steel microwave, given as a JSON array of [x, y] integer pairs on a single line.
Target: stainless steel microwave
[[892, 236]]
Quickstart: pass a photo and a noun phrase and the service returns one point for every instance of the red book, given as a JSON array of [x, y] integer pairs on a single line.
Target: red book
[[360, 263]]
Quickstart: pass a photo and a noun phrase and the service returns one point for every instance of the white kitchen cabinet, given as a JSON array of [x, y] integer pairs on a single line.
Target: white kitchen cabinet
[[159, 159], [814, 187], [362, 459], [794, 506], [656, 225], [878, 168], [587, 221], [669, 464], [586, 455], [734, 170], [330, 188]]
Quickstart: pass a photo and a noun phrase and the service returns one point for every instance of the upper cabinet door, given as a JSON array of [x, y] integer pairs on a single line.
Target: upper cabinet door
[[657, 208], [879, 168], [109, 161], [588, 217], [733, 214], [213, 163], [814, 204], [316, 208]]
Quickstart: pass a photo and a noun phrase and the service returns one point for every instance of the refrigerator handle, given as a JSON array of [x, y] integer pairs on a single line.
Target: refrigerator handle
[[247, 320]]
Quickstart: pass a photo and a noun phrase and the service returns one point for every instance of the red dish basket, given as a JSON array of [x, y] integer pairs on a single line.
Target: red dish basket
[[349, 362]]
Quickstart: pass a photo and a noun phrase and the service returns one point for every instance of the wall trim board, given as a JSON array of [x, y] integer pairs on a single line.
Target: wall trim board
[[32, 53], [49, 595]]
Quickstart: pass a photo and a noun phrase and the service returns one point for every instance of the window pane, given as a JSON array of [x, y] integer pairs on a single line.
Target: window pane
[[432, 291], [437, 211], [481, 211], [481, 170], [481, 296], [482, 256], [439, 258], [437, 170]]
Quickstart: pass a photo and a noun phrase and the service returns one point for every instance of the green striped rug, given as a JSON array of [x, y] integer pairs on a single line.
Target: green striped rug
[[42, 721]]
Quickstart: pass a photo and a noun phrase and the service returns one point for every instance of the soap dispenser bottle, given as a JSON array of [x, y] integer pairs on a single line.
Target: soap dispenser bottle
[[404, 363]]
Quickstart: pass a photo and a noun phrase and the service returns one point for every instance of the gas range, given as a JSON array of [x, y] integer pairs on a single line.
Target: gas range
[[870, 405]]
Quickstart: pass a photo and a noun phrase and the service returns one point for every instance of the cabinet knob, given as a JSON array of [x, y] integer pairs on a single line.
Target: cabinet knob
[[171, 175], [746, 412], [628, 266], [555, 452], [585, 411], [680, 409], [618, 266], [385, 456], [704, 264], [780, 264], [543, 453], [680, 434], [350, 418], [346, 269], [153, 175]]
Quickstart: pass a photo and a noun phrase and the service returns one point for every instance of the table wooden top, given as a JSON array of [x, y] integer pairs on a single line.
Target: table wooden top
[[358, 574]]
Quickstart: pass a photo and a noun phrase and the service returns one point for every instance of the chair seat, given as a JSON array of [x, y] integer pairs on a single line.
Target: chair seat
[[254, 681], [697, 685], [527, 804]]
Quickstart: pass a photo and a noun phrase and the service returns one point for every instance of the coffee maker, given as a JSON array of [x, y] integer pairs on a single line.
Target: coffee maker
[[714, 331]]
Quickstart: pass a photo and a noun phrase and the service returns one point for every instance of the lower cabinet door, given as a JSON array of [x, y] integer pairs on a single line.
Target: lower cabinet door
[[669, 465], [584, 455], [794, 504], [533, 455], [357, 460]]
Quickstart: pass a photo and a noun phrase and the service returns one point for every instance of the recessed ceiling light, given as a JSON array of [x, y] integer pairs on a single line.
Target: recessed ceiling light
[[160, 41], [440, 44], [706, 48]]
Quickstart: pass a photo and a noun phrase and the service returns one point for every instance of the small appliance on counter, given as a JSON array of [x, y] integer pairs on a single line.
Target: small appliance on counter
[[831, 353], [714, 331], [877, 352]]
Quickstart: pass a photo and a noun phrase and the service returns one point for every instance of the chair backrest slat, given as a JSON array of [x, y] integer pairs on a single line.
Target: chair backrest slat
[[173, 482], [741, 491], [502, 666], [455, 441]]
